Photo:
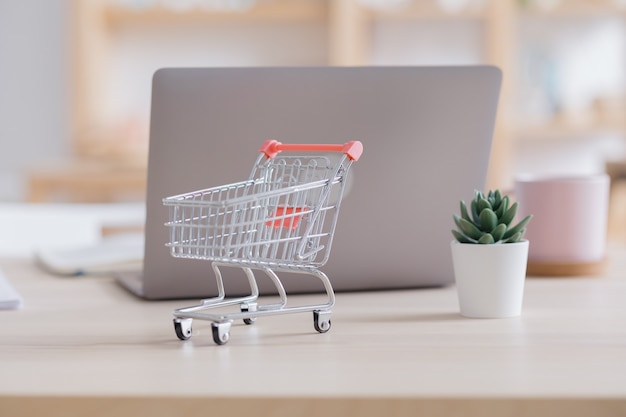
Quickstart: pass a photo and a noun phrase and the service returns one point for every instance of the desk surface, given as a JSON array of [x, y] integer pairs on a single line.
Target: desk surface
[[79, 343]]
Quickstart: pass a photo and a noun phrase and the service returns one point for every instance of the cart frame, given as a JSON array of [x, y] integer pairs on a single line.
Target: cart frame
[[282, 219]]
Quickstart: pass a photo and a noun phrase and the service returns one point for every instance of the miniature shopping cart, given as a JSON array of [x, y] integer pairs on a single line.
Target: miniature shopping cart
[[282, 219]]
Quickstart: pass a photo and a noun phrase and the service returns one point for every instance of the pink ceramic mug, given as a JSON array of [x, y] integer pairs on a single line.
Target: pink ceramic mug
[[568, 231]]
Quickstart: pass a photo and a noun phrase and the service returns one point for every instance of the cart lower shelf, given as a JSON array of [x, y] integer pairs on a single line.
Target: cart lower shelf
[[221, 329], [211, 309]]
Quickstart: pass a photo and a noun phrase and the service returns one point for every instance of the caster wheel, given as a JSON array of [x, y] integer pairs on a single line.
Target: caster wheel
[[221, 332], [182, 328], [321, 321], [249, 307]]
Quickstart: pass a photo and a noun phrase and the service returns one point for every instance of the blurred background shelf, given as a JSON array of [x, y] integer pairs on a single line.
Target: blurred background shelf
[[426, 10], [118, 14], [87, 181], [562, 105], [572, 8], [573, 127]]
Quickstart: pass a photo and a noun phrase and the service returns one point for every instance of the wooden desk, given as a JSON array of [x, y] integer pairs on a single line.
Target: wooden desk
[[83, 346]]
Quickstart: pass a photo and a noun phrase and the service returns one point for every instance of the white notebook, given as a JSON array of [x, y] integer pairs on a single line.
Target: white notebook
[[113, 254]]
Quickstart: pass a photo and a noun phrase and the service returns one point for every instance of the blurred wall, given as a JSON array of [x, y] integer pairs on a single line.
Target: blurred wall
[[34, 88]]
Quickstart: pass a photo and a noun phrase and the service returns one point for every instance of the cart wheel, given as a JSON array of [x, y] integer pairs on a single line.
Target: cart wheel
[[321, 321], [182, 328], [221, 332], [249, 307]]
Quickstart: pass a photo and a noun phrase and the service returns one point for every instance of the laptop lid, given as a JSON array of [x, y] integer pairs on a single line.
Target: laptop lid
[[426, 133]]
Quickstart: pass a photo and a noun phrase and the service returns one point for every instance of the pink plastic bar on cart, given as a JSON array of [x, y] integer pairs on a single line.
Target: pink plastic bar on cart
[[352, 149]]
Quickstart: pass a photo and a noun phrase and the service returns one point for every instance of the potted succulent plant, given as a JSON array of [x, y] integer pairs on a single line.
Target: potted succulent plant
[[489, 256]]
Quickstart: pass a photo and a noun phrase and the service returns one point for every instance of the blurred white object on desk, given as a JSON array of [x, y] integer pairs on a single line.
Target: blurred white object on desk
[[9, 298], [116, 253], [28, 228]]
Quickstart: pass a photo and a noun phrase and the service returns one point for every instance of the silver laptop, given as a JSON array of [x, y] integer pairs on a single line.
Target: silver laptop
[[426, 133]]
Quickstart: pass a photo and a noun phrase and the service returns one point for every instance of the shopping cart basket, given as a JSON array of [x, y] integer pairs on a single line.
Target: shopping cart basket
[[282, 219]]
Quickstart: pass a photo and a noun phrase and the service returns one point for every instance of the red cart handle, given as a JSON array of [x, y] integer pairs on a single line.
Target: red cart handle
[[352, 149]]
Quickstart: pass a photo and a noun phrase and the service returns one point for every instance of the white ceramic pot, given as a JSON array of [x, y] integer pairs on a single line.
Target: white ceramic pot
[[490, 278]]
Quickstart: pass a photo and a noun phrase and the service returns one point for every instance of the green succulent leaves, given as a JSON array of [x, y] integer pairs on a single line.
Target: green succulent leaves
[[489, 220]]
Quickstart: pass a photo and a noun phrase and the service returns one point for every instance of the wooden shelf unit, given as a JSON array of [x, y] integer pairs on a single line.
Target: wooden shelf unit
[[279, 10], [349, 25]]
